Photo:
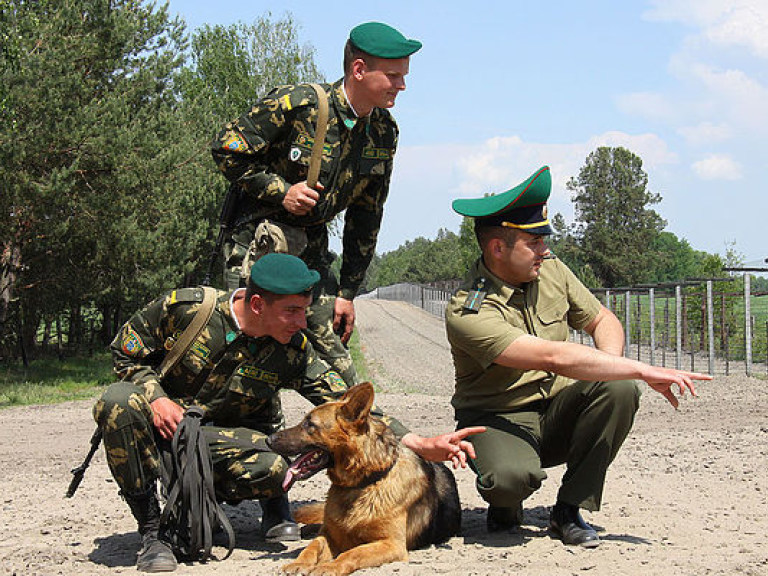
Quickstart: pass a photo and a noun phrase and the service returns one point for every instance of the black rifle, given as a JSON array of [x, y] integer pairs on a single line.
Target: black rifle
[[79, 472], [226, 219]]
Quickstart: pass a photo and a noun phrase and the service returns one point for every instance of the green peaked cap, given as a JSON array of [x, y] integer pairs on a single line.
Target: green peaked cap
[[283, 274], [383, 41], [535, 190]]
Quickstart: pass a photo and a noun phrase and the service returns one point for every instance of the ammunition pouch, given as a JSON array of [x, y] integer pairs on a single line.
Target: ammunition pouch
[[273, 237]]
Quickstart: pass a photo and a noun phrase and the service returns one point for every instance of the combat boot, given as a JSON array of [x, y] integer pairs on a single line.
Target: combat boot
[[277, 524], [155, 555]]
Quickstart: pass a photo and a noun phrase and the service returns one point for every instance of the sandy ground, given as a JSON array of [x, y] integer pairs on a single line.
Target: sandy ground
[[686, 495]]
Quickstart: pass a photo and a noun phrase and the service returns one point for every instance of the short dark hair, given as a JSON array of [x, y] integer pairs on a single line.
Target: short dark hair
[[486, 232], [352, 53], [252, 289]]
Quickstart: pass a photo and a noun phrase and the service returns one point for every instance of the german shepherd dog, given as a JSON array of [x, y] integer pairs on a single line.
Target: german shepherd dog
[[384, 499]]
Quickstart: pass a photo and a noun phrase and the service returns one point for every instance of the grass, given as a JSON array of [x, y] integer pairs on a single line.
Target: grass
[[49, 381], [358, 359]]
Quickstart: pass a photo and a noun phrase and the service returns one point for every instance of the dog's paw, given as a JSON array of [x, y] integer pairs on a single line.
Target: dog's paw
[[328, 569], [297, 568]]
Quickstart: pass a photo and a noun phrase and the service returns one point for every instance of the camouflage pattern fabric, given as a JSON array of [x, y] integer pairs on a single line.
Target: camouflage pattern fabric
[[234, 377], [268, 149]]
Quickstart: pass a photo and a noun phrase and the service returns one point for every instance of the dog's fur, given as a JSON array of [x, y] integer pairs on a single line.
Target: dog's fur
[[384, 499]]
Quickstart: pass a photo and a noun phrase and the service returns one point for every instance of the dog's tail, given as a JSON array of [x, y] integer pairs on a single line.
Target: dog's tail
[[310, 513]]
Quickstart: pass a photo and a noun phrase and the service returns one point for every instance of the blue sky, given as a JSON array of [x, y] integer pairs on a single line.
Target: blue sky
[[504, 88]]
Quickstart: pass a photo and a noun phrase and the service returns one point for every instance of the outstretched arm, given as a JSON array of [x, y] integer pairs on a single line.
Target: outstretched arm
[[586, 363]]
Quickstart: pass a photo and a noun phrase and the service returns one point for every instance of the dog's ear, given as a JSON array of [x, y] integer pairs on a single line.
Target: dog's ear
[[357, 402]]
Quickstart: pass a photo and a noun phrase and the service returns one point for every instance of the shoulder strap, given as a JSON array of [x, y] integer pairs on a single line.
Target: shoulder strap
[[320, 130], [191, 332]]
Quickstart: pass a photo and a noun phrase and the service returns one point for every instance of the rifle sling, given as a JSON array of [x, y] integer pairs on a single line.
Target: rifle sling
[[316, 158]]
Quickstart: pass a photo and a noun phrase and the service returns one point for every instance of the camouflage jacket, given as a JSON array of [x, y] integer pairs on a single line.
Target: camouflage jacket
[[268, 149], [233, 376]]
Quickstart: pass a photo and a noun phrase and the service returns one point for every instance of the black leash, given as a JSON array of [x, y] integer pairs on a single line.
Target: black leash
[[191, 512]]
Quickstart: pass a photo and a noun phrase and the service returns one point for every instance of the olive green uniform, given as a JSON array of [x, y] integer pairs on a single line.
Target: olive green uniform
[[535, 419], [264, 152], [232, 376]]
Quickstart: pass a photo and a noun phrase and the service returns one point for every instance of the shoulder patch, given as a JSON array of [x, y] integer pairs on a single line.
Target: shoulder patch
[[475, 296], [131, 342]]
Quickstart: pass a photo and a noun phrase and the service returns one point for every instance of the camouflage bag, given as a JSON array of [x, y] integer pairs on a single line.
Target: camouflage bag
[[271, 236]]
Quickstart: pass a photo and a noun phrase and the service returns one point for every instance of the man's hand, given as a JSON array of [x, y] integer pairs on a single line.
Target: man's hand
[[451, 446], [166, 416], [300, 198], [343, 315], [662, 380]]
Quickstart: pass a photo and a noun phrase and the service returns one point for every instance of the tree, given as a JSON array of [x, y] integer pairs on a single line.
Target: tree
[[615, 227]]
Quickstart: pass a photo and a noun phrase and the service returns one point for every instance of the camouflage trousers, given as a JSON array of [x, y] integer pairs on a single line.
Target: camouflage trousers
[[137, 456], [239, 249]]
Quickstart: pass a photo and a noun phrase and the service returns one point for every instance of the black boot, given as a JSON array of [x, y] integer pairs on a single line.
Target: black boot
[[277, 524], [567, 523], [155, 555], [500, 518]]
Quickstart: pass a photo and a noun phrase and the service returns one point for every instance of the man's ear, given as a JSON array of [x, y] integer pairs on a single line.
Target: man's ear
[[357, 402], [359, 68], [256, 304]]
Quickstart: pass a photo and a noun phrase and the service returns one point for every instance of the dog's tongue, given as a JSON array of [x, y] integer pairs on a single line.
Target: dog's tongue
[[289, 479]]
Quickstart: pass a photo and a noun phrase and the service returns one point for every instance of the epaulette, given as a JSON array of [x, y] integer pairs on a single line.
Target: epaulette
[[299, 341], [185, 296], [290, 97], [475, 296]]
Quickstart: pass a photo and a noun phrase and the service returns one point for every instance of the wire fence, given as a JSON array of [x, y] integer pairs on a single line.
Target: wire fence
[[719, 326]]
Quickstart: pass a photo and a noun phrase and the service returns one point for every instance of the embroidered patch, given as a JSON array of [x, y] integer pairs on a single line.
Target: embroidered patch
[[377, 153], [256, 373], [295, 154], [132, 343], [286, 102], [304, 141], [235, 143], [200, 350]]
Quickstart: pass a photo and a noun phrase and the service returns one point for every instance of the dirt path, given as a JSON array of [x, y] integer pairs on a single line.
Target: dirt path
[[687, 495]]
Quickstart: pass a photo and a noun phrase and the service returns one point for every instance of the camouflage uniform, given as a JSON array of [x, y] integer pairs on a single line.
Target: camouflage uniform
[[267, 150], [233, 376]]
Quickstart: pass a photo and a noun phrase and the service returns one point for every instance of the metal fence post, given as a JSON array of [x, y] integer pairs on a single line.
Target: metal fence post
[[748, 323], [627, 323], [711, 327], [679, 327], [652, 332]]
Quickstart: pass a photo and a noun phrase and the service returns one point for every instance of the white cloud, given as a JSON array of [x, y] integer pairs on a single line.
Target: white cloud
[[705, 133], [721, 22], [717, 167], [651, 105]]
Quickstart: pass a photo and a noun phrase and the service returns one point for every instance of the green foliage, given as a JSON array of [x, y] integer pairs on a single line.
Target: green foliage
[[110, 195], [614, 224], [48, 381], [424, 261]]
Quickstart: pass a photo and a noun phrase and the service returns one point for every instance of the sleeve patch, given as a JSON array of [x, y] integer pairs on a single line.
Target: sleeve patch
[[235, 143], [132, 343]]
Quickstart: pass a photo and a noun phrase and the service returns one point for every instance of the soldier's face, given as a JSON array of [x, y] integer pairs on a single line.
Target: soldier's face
[[521, 261], [382, 79], [284, 316]]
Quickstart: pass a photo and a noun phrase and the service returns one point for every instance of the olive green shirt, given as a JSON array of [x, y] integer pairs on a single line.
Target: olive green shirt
[[545, 308], [268, 149]]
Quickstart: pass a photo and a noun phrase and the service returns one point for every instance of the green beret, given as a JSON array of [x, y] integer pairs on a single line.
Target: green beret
[[382, 41], [283, 274], [523, 207]]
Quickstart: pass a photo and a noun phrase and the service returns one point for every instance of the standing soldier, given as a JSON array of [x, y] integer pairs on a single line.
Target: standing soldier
[[265, 154]]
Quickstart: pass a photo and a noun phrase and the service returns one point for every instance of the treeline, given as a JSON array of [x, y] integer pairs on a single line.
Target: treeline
[[617, 238], [109, 193]]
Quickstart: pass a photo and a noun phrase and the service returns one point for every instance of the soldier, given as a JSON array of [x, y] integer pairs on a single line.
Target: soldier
[[545, 401], [265, 155], [250, 349]]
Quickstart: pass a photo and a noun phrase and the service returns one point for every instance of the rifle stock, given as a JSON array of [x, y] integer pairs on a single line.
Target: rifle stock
[[226, 218], [79, 472]]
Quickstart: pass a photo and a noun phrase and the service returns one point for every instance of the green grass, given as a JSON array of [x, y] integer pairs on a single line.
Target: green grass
[[357, 357], [48, 380]]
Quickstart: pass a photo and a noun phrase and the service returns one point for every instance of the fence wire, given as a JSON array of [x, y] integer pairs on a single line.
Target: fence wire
[[701, 326]]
